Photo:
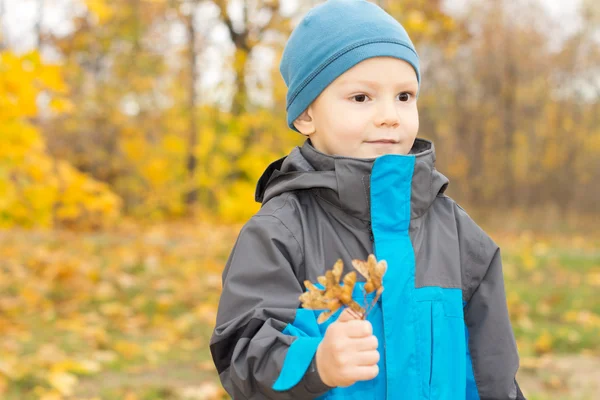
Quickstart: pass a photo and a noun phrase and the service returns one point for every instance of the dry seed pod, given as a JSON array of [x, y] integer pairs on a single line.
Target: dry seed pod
[[373, 272], [334, 295]]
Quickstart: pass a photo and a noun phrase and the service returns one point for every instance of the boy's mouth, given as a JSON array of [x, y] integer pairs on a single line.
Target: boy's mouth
[[383, 141]]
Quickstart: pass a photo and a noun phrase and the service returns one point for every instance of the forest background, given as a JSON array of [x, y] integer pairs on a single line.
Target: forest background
[[132, 134]]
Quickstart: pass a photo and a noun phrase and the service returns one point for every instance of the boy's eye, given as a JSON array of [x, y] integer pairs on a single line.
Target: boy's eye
[[405, 96], [360, 98]]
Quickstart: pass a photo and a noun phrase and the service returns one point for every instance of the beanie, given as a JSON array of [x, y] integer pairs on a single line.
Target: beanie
[[332, 38]]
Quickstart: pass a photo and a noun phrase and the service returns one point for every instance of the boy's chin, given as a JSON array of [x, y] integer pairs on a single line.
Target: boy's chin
[[374, 150], [369, 150]]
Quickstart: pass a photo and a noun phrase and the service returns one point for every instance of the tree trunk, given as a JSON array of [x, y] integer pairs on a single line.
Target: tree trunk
[[240, 97], [38, 25], [191, 197], [2, 40], [509, 85]]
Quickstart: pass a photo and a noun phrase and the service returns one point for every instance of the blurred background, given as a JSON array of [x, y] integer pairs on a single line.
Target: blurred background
[[132, 134]]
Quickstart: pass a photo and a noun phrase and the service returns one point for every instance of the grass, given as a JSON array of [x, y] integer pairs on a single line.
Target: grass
[[128, 314], [552, 287]]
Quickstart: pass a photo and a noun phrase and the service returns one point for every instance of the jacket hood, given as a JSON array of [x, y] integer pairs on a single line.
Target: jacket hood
[[345, 181]]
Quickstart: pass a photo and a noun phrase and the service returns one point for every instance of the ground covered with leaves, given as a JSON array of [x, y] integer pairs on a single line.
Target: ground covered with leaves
[[128, 314]]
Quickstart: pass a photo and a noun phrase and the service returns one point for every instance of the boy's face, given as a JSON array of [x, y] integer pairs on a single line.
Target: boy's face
[[368, 111]]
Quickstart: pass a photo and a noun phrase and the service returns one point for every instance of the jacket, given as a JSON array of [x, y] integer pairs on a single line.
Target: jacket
[[442, 321]]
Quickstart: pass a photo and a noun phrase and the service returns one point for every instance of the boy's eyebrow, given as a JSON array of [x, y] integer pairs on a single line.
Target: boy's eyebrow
[[375, 84]]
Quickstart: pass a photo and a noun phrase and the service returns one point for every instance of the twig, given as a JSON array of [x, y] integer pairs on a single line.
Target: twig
[[355, 314], [373, 303]]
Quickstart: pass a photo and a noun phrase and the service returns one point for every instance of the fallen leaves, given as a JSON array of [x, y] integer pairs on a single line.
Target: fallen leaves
[[62, 381], [83, 305], [334, 295], [205, 391], [543, 344], [73, 307]]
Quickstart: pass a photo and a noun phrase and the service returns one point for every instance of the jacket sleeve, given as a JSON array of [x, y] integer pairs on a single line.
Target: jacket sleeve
[[263, 345], [492, 357]]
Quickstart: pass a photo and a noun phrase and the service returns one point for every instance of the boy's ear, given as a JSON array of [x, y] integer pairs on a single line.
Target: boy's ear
[[304, 123]]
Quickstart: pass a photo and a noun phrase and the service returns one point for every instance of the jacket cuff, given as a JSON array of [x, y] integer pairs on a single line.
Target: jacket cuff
[[296, 362], [313, 382]]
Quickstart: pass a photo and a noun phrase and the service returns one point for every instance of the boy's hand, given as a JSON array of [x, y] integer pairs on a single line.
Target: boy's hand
[[348, 352]]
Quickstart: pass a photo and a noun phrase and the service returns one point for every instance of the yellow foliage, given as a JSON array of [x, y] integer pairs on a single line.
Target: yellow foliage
[[100, 9], [36, 189], [134, 147], [173, 144], [155, 171], [231, 144], [459, 167], [236, 204], [61, 106], [415, 21]]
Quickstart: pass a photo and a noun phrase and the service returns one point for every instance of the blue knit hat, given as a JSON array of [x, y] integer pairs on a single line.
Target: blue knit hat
[[332, 38]]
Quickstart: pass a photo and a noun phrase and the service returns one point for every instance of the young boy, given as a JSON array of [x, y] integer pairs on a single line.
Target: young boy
[[362, 183]]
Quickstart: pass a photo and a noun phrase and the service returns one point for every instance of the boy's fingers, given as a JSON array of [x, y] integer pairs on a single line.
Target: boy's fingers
[[365, 373], [367, 358], [358, 329], [366, 344]]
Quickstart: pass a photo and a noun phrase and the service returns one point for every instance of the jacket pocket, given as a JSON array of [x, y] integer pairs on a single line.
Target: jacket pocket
[[441, 345], [448, 369]]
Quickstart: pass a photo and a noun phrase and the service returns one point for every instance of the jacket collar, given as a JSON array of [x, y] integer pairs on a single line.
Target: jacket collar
[[345, 181]]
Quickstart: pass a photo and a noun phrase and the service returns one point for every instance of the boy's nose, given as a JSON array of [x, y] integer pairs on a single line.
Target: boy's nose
[[387, 114]]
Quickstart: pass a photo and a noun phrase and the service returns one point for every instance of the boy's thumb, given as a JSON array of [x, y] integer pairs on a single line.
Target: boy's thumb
[[347, 315]]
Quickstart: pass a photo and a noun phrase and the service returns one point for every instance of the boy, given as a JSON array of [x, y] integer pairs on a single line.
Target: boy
[[362, 183]]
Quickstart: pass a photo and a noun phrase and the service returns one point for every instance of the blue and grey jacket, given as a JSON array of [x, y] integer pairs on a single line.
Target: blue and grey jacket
[[442, 321]]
